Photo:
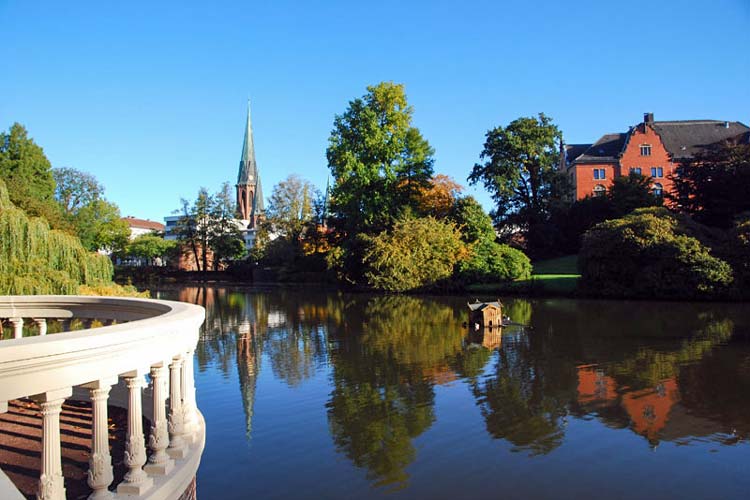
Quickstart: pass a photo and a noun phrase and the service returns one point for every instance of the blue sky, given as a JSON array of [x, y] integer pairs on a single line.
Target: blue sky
[[151, 96]]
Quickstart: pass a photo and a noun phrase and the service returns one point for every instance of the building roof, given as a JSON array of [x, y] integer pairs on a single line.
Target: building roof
[[684, 138], [480, 306], [681, 138], [573, 151], [258, 206], [143, 223], [606, 149], [248, 169]]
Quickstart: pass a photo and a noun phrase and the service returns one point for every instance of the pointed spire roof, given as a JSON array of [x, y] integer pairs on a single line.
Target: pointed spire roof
[[248, 169], [258, 206]]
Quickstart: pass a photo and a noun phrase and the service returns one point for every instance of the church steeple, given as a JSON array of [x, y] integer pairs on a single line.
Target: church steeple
[[249, 193], [248, 169]]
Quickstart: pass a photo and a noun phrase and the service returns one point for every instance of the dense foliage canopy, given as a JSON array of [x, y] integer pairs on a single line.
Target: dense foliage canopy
[[208, 229], [379, 161], [416, 253], [714, 186], [27, 173], [35, 259], [520, 171], [652, 253]]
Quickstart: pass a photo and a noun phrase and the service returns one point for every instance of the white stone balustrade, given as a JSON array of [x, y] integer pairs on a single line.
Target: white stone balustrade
[[142, 337]]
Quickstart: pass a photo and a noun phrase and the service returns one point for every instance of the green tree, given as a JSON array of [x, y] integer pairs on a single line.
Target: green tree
[[651, 253], [626, 194], [520, 171], [290, 207], [28, 175], [100, 226], [35, 259], [631, 191], [488, 260], [192, 228], [225, 238], [378, 159], [75, 189], [714, 186], [91, 217], [149, 247], [416, 253], [473, 222], [208, 226]]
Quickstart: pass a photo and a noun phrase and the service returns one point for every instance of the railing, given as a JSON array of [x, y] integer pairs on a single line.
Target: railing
[[139, 337]]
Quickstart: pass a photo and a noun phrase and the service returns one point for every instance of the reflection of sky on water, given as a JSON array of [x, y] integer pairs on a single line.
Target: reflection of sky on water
[[368, 396]]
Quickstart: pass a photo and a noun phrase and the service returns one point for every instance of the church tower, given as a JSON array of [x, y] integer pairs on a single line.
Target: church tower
[[249, 193]]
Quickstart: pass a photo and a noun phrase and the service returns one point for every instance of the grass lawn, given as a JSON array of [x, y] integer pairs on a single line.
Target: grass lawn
[[554, 276], [567, 265]]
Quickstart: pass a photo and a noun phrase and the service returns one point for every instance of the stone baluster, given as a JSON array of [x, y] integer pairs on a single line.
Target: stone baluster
[[87, 322], [109, 322], [136, 480], [100, 462], [65, 324], [189, 407], [51, 482], [177, 448], [17, 324], [159, 462], [41, 323]]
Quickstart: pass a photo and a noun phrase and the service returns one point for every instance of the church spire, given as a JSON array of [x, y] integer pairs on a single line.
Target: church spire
[[249, 193], [248, 170]]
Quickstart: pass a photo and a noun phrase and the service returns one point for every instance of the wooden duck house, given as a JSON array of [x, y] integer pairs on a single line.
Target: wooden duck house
[[486, 313]]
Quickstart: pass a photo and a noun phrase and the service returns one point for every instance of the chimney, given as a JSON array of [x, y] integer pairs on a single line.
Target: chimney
[[648, 118], [726, 124]]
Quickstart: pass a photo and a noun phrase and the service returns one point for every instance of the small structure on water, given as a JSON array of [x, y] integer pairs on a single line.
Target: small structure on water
[[485, 314]]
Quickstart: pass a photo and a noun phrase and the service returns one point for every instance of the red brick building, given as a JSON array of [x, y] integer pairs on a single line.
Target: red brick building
[[653, 149]]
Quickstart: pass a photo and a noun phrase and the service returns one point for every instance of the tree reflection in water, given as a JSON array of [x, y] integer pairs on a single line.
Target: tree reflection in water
[[659, 370], [391, 352]]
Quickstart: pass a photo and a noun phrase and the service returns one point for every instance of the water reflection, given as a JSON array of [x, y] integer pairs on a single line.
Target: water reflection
[[664, 372]]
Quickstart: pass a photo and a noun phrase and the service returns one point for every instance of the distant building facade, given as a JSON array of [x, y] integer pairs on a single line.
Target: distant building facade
[[653, 149], [139, 227]]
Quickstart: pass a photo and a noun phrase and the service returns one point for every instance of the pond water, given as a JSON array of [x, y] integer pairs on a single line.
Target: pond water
[[310, 394]]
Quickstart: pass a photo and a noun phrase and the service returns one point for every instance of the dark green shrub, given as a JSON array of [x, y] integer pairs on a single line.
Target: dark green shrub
[[651, 253], [492, 262], [416, 253]]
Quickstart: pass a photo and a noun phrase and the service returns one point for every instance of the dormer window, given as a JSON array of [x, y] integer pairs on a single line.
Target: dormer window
[[645, 149]]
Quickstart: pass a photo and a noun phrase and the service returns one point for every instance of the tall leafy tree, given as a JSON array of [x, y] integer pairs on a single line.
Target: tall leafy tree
[[378, 159], [520, 171], [192, 227], [100, 226], [225, 238], [75, 189], [91, 217], [630, 192], [149, 247], [208, 228], [291, 207], [28, 174], [714, 186]]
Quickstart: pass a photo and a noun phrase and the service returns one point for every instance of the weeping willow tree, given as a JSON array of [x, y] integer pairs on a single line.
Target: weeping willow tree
[[35, 259]]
